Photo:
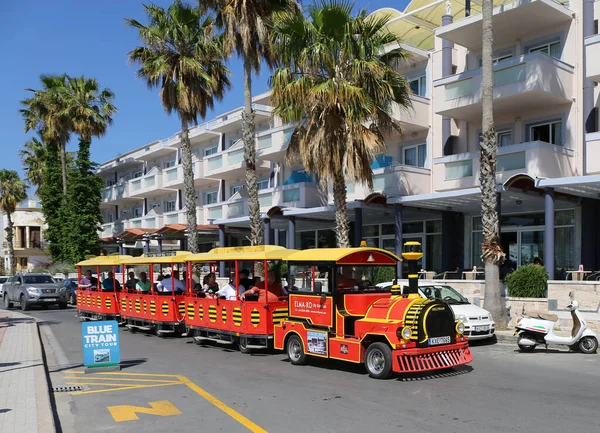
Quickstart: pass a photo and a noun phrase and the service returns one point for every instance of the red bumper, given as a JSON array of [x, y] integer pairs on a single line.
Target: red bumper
[[431, 358]]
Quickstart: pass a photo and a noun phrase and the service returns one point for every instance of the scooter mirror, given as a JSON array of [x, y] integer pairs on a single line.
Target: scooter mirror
[[571, 295]]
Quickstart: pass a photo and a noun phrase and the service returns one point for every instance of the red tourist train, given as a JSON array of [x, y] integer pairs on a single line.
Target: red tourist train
[[321, 302]]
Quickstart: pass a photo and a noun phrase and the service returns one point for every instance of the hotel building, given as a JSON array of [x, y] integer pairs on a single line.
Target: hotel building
[[426, 187]]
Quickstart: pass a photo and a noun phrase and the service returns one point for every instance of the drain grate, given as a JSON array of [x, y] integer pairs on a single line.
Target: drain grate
[[67, 389]]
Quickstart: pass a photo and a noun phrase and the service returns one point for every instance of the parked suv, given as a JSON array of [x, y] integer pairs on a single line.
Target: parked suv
[[33, 289]]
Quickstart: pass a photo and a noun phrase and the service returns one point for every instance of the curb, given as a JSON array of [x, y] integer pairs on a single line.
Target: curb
[[506, 337], [45, 413]]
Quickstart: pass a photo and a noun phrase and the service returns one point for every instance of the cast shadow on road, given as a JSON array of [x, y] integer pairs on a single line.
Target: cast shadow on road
[[6, 322], [19, 368], [331, 364]]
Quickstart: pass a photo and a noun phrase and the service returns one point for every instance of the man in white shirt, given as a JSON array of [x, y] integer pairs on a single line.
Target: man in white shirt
[[227, 291], [166, 285]]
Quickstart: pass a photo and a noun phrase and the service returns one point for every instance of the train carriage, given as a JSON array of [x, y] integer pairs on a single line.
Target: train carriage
[[162, 312], [94, 301], [337, 311], [248, 322]]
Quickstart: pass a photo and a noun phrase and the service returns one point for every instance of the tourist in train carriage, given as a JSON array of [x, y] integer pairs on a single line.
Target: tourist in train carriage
[[274, 290], [274, 286], [143, 284], [131, 282], [228, 291], [88, 281], [345, 279], [171, 282], [245, 281], [110, 283], [209, 284]]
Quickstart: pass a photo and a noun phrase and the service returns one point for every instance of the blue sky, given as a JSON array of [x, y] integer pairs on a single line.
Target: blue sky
[[90, 37]]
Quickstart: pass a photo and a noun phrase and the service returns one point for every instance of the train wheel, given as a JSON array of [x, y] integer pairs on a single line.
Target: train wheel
[[243, 345], [295, 350], [378, 360]]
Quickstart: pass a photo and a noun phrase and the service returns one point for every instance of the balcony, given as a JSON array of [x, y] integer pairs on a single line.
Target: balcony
[[19, 245], [230, 164], [512, 21], [521, 84], [592, 57], [112, 229], [115, 194], [151, 182], [393, 180], [274, 142], [415, 119], [592, 153], [535, 158]]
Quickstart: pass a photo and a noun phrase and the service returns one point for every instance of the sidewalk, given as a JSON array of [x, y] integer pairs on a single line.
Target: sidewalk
[[24, 396]]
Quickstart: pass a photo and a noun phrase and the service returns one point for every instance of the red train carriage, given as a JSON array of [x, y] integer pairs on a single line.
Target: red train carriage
[[99, 299], [156, 304], [247, 322], [337, 311]]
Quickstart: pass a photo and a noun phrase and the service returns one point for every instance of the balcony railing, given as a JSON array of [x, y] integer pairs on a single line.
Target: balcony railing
[[31, 245]]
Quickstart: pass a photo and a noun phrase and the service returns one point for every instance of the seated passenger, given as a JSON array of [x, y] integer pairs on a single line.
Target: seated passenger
[[272, 294], [171, 283], [228, 292], [290, 286], [345, 279], [273, 286], [88, 281], [209, 284], [131, 282], [111, 284], [143, 284], [245, 280]]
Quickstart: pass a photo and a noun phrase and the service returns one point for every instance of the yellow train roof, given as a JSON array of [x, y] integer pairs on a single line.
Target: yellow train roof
[[104, 261], [178, 257], [251, 253], [334, 254]]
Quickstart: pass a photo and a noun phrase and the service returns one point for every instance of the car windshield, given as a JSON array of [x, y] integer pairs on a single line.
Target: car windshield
[[446, 293], [38, 279], [3, 279]]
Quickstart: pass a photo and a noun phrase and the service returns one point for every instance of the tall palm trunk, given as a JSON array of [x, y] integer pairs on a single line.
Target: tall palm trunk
[[341, 217], [249, 139], [12, 261], [188, 187], [63, 163], [492, 254]]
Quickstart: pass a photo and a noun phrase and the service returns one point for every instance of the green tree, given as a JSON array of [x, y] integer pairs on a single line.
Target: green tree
[[80, 237], [336, 83], [491, 251], [45, 112], [12, 191], [246, 32], [182, 56], [33, 157]]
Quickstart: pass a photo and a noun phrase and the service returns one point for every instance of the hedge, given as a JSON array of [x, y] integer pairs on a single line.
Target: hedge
[[529, 281]]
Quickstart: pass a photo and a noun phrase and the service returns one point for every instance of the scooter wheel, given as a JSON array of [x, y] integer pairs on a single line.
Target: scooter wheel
[[588, 345], [524, 347]]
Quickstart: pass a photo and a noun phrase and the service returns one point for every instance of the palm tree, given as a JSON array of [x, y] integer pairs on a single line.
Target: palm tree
[[12, 191], [33, 157], [245, 31], [182, 56], [44, 112], [337, 84], [89, 109], [492, 254]]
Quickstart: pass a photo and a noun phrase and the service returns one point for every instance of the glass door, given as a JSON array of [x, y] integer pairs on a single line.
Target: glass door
[[532, 246]]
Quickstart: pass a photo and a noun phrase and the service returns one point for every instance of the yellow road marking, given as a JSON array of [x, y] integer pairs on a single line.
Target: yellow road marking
[[95, 391], [105, 373], [129, 413], [120, 379], [218, 403]]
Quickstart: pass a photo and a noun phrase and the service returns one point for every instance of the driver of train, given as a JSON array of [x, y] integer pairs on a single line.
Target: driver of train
[[345, 279]]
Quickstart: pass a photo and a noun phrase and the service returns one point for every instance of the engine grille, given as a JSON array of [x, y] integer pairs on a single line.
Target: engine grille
[[433, 361]]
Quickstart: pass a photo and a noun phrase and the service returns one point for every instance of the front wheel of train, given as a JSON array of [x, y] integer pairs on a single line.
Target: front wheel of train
[[295, 350], [378, 360]]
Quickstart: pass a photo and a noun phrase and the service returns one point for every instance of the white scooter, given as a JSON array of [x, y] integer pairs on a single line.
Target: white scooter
[[539, 329]]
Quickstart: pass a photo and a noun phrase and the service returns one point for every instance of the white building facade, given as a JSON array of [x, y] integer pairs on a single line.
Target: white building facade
[[426, 187]]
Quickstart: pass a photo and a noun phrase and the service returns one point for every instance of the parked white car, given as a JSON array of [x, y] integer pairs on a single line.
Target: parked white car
[[3, 279], [478, 322]]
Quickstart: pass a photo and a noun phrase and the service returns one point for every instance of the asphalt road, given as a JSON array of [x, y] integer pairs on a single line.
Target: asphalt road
[[214, 389]]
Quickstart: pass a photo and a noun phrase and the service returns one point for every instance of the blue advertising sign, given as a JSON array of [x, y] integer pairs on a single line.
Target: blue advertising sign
[[100, 341]]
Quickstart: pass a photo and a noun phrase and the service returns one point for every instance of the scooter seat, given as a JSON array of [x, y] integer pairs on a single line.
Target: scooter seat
[[543, 316]]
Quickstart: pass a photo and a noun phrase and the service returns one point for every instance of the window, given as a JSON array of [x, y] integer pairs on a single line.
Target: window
[[211, 197], [263, 184], [110, 182], [211, 150], [550, 132], [137, 174], [497, 59], [503, 138], [236, 188], [415, 155], [170, 164], [111, 217], [138, 212], [550, 49], [419, 86], [170, 206]]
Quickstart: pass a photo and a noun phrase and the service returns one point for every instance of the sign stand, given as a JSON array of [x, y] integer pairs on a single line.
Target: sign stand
[[101, 346]]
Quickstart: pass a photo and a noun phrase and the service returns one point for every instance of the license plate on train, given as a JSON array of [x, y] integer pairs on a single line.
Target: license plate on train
[[439, 340]]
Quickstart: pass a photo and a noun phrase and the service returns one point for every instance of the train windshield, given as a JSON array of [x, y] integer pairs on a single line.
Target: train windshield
[[364, 277]]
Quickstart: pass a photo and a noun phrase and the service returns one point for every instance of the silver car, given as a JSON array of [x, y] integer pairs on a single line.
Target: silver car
[[3, 279], [33, 289]]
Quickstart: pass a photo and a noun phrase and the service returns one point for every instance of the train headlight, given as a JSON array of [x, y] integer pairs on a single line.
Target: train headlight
[[406, 333], [460, 328]]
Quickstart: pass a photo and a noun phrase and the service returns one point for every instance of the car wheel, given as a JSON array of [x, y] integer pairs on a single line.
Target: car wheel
[[295, 350], [7, 303], [378, 360], [24, 304], [588, 345]]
